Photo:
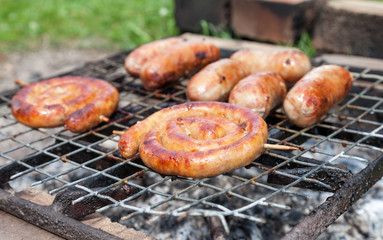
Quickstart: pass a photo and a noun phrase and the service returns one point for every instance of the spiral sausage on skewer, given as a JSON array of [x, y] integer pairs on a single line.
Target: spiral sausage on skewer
[[197, 139], [79, 103]]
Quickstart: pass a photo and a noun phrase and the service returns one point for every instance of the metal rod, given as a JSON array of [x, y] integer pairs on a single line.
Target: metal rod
[[217, 230], [52, 221], [324, 215]]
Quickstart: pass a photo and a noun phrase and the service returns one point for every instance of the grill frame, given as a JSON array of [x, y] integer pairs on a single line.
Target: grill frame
[[111, 69]]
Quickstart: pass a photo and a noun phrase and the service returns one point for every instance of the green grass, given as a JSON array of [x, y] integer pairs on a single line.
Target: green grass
[[124, 24], [305, 45], [208, 29]]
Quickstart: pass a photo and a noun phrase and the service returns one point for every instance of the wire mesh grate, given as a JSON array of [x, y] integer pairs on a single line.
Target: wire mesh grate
[[346, 140]]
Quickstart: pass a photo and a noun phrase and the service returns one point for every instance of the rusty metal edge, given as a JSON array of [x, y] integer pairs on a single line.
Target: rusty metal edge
[[46, 218], [324, 215]]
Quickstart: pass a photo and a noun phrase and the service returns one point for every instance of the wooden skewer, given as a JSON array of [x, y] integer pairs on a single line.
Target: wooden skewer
[[104, 119], [118, 132], [266, 145], [279, 147], [21, 83]]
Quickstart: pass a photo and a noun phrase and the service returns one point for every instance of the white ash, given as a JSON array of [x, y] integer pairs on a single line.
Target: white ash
[[333, 149], [278, 221], [367, 217], [25, 182], [110, 144]]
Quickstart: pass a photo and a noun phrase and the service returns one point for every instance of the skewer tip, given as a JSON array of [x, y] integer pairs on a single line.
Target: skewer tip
[[279, 147], [118, 132], [21, 83], [104, 119]]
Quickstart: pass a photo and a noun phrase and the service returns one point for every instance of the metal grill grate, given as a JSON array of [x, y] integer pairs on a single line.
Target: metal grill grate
[[347, 140]]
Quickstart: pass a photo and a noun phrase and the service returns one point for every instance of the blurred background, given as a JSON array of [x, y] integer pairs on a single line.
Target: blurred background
[[101, 24], [42, 38]]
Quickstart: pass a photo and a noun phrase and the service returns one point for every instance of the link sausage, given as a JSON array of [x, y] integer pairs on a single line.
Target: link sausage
[[215, 81], [317, 92], [197, 139], [138, 57], [177, 61], [76, 102], [261, 92], [291, 65]]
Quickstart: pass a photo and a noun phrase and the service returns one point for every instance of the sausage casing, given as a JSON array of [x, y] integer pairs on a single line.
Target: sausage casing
[[197, 139], [261, 92], [291, 65], [215, 81], [74, 101], [317, 92], [177, 61], [138, 57]]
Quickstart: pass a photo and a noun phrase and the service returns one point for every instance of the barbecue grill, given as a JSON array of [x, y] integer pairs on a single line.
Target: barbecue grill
[[341, 156]]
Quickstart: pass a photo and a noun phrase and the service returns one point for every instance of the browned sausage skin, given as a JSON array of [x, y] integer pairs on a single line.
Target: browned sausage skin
[[215, 81], [138, 57], [76, 102], [291, 65], [317, 92], [197, 139], [261, 92], [177, 61]]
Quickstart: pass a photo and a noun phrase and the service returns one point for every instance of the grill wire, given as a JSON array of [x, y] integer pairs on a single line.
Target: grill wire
[[351, 134]]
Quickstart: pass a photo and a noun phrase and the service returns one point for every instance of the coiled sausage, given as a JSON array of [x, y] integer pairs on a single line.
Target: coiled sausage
[[317, 92], [261, 92], [291, 65], [177, 61], [77, 102], [197, 139]]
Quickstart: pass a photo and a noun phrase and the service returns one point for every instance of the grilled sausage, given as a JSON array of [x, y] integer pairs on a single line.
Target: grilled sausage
[[317, 92], [177, 61], [196, 139], [261, 92], [76, 102], [215, 81], [138, 57], [291, 65]]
